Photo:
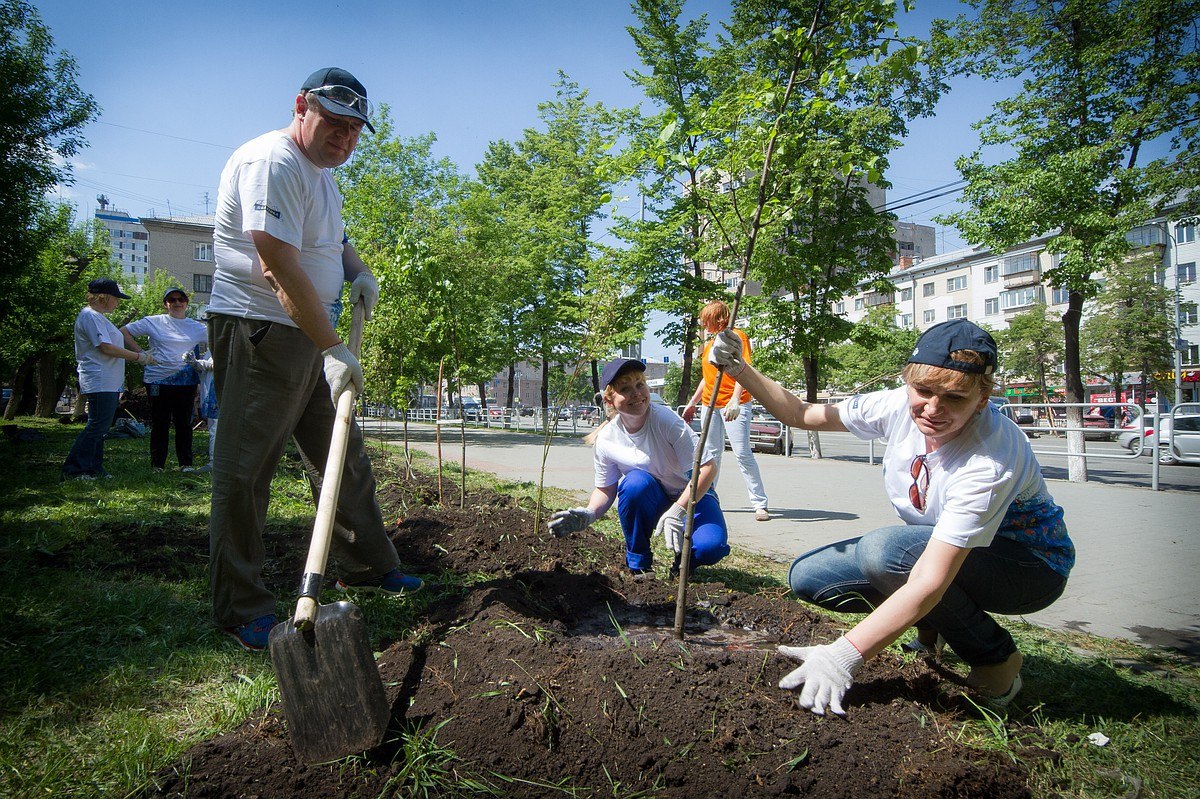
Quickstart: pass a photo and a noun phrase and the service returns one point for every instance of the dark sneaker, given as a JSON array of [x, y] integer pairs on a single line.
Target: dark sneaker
[[395, 583], [253, 634]]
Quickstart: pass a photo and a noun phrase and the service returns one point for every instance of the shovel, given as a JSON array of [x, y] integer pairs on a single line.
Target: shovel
[[332, 694]]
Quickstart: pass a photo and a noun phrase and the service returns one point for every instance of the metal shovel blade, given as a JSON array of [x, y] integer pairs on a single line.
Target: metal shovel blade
[[332, 693]]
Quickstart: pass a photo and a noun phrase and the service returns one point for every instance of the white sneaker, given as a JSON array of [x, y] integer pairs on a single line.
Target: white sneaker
[[187, 469], [762, 515]]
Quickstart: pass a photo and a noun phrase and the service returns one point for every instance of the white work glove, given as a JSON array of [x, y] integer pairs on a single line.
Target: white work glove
[[199, 364], [733, 410], [342, 371], [570, 521], [671, 527], [826, 674], [146, 358], [726, 353], [367, 288]]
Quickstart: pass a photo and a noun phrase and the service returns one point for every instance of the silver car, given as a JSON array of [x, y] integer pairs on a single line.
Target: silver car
[[1184, 445]]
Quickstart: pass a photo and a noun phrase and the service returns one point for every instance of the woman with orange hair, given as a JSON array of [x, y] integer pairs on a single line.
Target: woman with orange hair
[[734, 404]]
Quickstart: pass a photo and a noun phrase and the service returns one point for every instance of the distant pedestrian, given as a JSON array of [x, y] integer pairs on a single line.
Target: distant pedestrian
[[643, 460], [101, 369], [170, 382], [208, 408], [733, 404], [980, 532]]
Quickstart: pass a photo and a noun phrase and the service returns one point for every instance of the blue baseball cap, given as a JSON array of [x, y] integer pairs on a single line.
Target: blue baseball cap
[[617, 367], [935, 345]]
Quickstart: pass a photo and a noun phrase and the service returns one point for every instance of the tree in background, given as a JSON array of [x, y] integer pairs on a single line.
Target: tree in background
[[402, 214], [860, 84], [875, 354], [37, 334], [1101, 81], [42, 114], [1031, 347], [552, 186], [1130, 328], [668, 232], [42, 111]]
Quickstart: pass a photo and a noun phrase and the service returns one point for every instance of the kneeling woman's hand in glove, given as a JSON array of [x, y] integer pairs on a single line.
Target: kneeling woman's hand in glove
[[570, 521], [826, 675]]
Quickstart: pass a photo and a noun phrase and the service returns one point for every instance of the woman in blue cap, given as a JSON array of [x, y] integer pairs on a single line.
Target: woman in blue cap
[[979, 531], [643, 459]]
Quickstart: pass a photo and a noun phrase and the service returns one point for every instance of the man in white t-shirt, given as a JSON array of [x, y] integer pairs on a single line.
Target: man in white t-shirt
[[281, 259]]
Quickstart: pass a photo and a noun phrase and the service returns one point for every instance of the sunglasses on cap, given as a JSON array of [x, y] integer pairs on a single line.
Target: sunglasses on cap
[[345, 96]]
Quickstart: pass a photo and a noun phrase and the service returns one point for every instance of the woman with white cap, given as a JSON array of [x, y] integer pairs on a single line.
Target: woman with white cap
[[171, 383], [643, 460], [979, 531], [101, 376]]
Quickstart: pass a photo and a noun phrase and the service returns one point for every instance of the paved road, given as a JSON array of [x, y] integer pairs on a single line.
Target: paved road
[[1138, 551]]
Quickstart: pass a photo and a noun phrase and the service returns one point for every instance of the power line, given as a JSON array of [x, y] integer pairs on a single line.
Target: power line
[[918, 198], [167, 135]]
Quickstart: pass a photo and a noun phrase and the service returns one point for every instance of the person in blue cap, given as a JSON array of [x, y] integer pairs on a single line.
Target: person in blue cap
[[101, 354], [282, 261], [643, 460], [979, 533]]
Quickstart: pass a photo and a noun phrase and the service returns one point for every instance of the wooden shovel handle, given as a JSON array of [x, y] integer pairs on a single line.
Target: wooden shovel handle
[[331, 486]]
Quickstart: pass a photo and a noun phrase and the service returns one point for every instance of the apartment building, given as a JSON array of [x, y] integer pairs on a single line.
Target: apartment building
[[991, 288], [128, 240], [183, 246]]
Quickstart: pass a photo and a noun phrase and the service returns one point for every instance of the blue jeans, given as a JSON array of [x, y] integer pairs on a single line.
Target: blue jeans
[[87, 453], [641, 502], [855, 576]]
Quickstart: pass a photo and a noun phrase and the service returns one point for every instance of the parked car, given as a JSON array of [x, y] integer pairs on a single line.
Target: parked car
[[766, 432], [468, 408], [589, 414], [1097, 426]]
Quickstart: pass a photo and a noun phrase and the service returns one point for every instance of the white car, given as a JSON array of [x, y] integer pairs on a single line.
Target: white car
[[1184, 444]]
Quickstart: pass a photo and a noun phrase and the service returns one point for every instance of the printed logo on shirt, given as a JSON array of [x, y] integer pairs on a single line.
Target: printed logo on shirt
[[854, 402], [262, 206]]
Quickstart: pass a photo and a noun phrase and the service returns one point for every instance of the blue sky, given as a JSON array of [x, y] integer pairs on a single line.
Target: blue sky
[[182, 84]]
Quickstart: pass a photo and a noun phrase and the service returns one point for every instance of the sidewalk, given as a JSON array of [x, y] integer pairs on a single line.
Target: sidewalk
[[1137, 575]]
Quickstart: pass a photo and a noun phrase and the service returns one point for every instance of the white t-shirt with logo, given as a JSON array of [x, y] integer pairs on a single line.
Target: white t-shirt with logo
[[665, 447], [97, 371], [983, 483], [170, 339], [269, 185]]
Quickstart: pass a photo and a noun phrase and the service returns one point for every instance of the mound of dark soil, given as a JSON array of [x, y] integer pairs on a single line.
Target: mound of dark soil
[[557, 672]]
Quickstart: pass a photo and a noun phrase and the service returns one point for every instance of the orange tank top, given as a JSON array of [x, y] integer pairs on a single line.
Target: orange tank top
[[710, 375]]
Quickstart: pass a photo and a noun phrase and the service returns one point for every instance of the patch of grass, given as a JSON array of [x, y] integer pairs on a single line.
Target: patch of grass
[[108, 674]]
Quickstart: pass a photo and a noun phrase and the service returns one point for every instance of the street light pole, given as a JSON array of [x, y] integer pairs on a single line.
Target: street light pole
[[1177, 344]]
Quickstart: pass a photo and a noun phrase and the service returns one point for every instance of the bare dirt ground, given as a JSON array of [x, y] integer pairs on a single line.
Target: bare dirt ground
[[555, 674]]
